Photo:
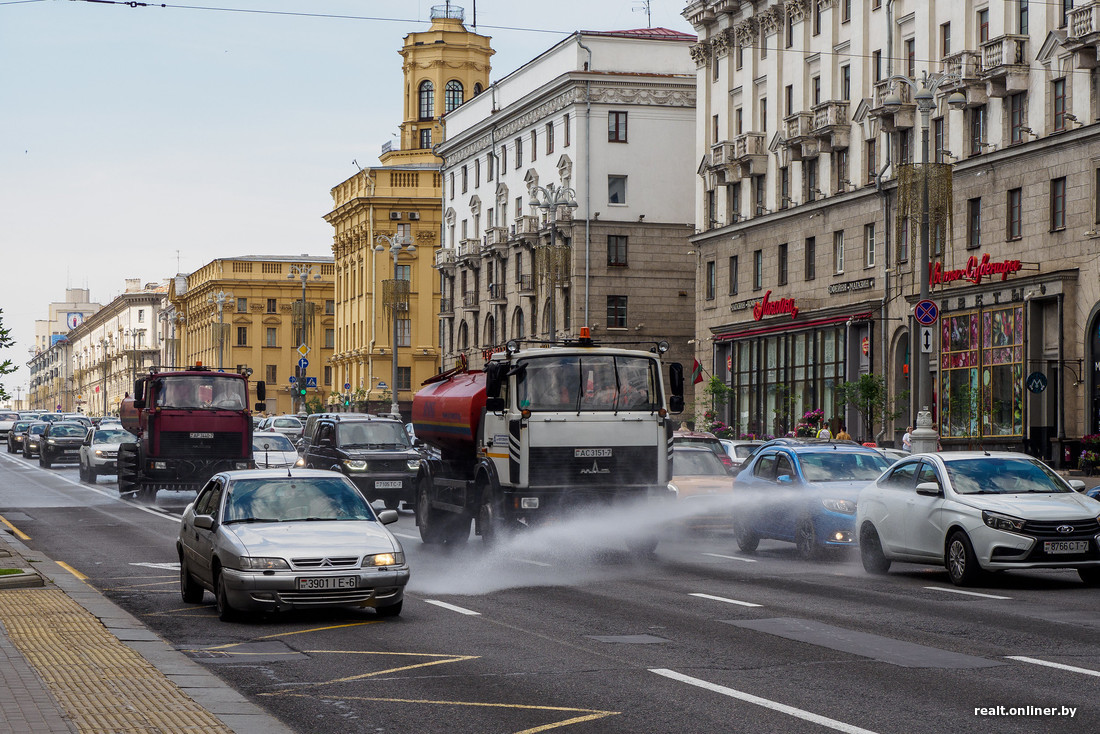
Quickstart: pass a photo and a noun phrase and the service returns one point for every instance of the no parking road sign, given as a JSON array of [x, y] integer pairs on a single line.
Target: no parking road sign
[[926, 312]]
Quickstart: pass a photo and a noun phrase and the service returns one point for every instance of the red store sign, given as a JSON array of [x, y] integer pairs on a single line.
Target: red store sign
[[768, 307], [974, 271]]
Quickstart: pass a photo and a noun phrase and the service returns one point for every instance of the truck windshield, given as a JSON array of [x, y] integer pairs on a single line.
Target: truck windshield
[[201, 391], [597, 382]]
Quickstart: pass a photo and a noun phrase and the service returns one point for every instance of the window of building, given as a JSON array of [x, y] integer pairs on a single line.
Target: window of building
[[757, 270], [712, 209], [846, 82], [811, 258], [465, 178], [1063, 20], [983, 25], [271, 337], [425, 138], [845, 10], [616, 189], [490, 164], [1021, 17], [911, 57], [840, 169], [710, 278], [242, 336], [404, 378], [870, 156], [738, 121], [781, 264], [739, 56], [503, 159], [519, 153], [549, 135], [788, 35], [616, 127], [714, 129], [404, 332], [426, 96], [534, 146], [330, 338], [903, 240], [616, 250], [876, 65], [1096, 196], [242, 305], [764, 115], [616, 312], [937, 140], [1058, 98], [733, 275], [788, 100], [328, 375], [815, 90], [905, 145], [760, 195], [869, 245], [1058, 203], [733, 192], [974, 223], [809, 171], [451, 184], [272, 305], [452, 95], [945, 40], [785, 187], [1016, 117], [1015, 198], [565, 131], [816, 18], [271, 373], [838, 251], [977, 129]]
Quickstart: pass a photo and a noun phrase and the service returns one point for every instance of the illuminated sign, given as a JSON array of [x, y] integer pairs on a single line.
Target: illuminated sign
[[975, 271], [767, 307]]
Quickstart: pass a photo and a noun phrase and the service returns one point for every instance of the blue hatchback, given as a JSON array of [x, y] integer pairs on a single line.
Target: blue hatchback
[[803, 493]]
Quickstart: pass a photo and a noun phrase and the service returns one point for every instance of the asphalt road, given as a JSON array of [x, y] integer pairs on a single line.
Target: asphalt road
[[562, 630]]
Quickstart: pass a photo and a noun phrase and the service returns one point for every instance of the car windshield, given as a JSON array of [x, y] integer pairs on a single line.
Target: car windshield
[[272, 443], [697, 463], [989, 475], [292, 499], [201, 391], [20, 426], [36, 428], [842, 466], [112, 436], [9, 416], [63, 429], [588, 383], [372, 434]]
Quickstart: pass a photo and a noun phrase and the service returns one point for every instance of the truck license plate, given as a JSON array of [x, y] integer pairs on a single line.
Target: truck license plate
[[327, 582], [1065, 546], [387, 485]]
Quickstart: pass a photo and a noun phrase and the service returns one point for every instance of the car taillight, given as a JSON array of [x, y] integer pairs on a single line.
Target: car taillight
[[726, 460]]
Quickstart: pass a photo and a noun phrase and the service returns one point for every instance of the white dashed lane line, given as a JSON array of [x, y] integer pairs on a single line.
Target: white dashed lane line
[[731, 558], [727, 601], [1059, 666], [453, 608], [766, 703], [966, 593]]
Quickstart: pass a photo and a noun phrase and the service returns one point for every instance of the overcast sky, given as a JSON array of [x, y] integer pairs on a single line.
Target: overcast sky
[[138, 142]]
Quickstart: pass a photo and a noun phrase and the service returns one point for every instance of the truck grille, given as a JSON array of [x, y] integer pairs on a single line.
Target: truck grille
[[627, 465], [180, 443]]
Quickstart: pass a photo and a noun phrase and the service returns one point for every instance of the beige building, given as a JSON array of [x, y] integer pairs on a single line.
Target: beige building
[[246, 312], [809, 202]]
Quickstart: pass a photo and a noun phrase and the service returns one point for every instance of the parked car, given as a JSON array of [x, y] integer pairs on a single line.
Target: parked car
[[685, 437], [61, 442], [978, 511], [99, 451], [322, 544], [373, 452], [703, 485], [739, 450], [273, 449], [32, 438], [16, 435], [7, 420], [803, 492]]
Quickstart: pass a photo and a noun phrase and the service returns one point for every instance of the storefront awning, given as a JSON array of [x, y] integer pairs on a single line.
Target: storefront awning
[[792, 326]]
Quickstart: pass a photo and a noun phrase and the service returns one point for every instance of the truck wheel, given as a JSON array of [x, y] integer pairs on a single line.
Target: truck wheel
[[428, 519], [490, 520], [458, 529]]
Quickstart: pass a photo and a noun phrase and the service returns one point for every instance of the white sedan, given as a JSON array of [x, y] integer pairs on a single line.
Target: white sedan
[[272, 450], [975, 512]]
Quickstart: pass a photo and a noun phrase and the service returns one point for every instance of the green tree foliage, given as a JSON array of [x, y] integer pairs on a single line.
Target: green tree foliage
[[6, 367], [869, 398]]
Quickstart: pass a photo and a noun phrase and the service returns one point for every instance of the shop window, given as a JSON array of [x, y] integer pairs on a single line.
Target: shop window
[[982, 373], [1058, 203]]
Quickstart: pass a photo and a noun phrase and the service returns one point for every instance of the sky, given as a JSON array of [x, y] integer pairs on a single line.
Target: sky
[[138, 142]]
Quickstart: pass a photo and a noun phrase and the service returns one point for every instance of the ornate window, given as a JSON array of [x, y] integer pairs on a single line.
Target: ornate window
[[427, 100], [452, 95]]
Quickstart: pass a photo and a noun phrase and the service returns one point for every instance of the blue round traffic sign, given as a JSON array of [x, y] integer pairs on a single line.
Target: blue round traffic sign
[[926, 312], [347, 385], [303, 363], [293, 379]]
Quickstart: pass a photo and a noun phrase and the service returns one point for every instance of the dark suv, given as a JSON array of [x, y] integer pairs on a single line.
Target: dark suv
[[61, 442], [375, 453]]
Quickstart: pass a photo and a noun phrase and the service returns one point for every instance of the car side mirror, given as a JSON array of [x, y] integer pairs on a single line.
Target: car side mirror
[[206, 522], [387, 517], [930, 489], [785, 479], [1077, 485]]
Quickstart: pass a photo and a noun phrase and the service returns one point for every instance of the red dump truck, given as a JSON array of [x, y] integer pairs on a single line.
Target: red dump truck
[[190, 425], [542, 431]]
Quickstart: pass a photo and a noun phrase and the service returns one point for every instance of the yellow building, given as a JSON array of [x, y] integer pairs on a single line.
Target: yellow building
[[401, 200], [247, 312]]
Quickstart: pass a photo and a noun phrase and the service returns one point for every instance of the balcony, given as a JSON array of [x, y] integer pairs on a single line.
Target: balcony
[[527, 225], [445, 259], [1084, 35], [750, 155], [497, 293], [469, 300], [446, 307], [797, 131], [526, 285], [830, 125], [496, 238], [468, 252], [892, 121], [967, 64], [1005, 65]]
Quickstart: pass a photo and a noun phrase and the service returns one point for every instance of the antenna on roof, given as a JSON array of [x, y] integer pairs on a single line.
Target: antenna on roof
[[648, 16]]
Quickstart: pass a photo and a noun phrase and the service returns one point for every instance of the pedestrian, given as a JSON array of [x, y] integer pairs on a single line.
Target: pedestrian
[[843, 434], [907, 439], [825, 433]]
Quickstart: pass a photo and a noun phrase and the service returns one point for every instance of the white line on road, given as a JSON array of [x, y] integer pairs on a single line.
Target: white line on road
[[967, 593], [727, 601], [453, 608], [731, 558], [768, 704], [535, 563], [1059, 666]]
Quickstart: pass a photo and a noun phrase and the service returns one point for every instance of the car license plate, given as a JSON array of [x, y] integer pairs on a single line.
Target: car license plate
[[1066, 546], [328, 582], [387, 485]]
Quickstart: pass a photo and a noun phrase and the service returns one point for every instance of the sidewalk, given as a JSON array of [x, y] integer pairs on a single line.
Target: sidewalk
[[72, 662]]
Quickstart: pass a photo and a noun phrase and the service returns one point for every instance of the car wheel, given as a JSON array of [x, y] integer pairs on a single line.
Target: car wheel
[[870, 551], [44, 460], [1090, 575], [226, 612], [92, 475], [429, 520], [805, 540], [747, 540], [389, 611], [962, 564], [190, 591]]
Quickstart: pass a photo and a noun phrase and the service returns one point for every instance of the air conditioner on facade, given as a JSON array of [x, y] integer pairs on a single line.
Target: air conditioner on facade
[[414, 216], [395, 215]]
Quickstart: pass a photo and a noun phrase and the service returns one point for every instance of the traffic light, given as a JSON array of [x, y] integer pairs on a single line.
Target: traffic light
[[347, 400], [302, 389]]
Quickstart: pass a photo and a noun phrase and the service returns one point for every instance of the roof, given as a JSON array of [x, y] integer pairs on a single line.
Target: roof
[[652, 34]]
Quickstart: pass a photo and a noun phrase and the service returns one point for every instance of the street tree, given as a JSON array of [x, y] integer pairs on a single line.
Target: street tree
[[869, 398], [6, 367]]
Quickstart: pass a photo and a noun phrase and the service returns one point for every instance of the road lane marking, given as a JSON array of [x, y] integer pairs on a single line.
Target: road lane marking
[[731, 558], [14, 530], [71, 570], [446, 659], [535, 563], [967, 593], [173, 566], [766, 703], [453, 608], [1059, 666], [727, 601]]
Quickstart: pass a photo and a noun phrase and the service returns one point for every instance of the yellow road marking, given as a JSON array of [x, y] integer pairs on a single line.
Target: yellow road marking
[[320, 629], [71, 570], [15, 531], [138, 586], [450, 659], [589, 714]]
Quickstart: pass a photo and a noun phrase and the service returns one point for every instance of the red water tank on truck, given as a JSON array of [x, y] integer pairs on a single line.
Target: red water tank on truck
[[190, 424], [542, 431]]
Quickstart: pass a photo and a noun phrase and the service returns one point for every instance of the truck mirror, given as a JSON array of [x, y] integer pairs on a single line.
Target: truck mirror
[[494, 375], [676, 404], [676, 379], [261, 407], [261, 391], [139, 391], [494, 404]]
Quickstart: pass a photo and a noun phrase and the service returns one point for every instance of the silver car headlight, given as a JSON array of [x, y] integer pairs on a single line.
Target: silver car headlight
[[300, 462], [674, 489], [355, 464], [998, 521], [99, 452], [261, 563], [413, 464], [844, 507], [396, 558]]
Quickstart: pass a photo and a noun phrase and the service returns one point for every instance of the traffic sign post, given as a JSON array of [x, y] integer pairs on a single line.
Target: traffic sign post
[[926, 312], [926, 339], [293, 379], [303, 363], [311, 382]]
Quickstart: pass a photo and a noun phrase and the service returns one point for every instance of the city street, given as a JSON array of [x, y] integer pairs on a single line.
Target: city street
[[558, 631]]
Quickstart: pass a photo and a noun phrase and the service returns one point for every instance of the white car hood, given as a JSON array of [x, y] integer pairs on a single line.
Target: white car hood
[[1066, 506], [275, 458], [312, 539]]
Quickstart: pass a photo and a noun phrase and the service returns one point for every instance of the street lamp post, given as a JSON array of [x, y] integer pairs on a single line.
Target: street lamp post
[[303, 273], [395, 248], [925, 98], [549, 198], [220, 298]]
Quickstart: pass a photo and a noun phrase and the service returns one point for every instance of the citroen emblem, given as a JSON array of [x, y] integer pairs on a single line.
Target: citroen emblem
[[326, 562]]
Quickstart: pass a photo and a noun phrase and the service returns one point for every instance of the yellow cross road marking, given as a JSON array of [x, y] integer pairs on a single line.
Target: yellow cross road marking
[[15, 531], [71, 570], [319, 629], [448, 659]]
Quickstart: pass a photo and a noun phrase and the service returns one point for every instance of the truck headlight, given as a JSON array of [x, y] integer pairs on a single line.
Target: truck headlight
[[355, 465], [99, 452], [384, 559], [413, 464], [1002, 522], [262, 563]]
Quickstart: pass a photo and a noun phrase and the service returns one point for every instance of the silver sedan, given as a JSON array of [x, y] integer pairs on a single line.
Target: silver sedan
[[281, 539]]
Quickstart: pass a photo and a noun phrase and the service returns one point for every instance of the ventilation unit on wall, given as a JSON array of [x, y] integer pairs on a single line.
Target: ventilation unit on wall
[[414, 216], [395, 215]]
